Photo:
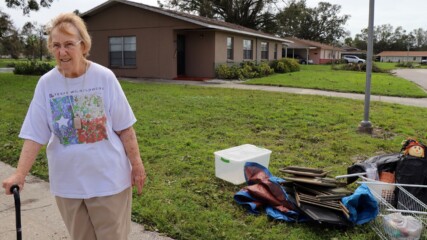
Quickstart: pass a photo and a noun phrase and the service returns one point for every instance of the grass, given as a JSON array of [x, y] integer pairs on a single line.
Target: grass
[[323, 78], [180, 127]]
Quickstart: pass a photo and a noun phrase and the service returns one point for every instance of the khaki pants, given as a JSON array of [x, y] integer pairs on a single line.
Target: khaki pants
[[101, 218]]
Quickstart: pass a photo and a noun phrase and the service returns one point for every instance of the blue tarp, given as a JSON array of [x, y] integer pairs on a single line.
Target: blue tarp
[[264, 191]]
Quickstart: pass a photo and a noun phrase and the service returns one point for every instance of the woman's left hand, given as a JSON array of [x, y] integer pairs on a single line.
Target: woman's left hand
[[138, 176]]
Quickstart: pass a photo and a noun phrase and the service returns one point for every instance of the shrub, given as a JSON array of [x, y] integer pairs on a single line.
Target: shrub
[[263, 69], [10, 64], [223, 71], [358, 67], [282, 68], [246, 70], [406, 65], [32, 68], [285, 65], [292, 64]]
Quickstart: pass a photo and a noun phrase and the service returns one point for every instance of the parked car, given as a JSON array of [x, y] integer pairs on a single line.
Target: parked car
[[353, 59], [423, 60], [300, 59]]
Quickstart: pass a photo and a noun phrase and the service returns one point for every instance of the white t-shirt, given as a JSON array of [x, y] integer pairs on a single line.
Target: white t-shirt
[[90, 161]]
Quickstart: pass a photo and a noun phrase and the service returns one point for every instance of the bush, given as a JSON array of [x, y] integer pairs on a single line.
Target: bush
[[32, 68], [263, 69], [282, 68], [358, 67], [292, 64], [285, 65], [243, 71], [406, 65], [223, 71], [247, 70], [10, 64]]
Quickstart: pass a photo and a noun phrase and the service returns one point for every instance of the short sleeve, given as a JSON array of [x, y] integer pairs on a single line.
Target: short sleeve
[[121, 112], [36, 124]]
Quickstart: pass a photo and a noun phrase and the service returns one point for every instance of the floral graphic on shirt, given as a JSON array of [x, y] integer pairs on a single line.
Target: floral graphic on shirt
[[89, 108]]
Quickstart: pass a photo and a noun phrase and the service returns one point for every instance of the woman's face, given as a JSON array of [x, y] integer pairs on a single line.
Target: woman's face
[[68, 52]]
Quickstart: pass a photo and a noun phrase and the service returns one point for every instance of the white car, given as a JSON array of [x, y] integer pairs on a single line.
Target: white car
[[353, 59]]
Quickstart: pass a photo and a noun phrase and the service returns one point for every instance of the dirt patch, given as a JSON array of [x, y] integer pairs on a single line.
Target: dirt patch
[[383, 134]]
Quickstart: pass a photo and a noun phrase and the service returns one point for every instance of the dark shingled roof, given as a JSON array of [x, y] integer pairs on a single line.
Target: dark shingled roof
[[202, 21]]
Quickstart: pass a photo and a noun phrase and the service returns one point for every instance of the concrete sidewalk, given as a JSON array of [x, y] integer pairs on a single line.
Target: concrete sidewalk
[[417, 102], [40, 216]]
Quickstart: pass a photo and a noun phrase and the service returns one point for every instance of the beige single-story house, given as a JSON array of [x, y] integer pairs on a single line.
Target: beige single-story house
[[141, 41], [402, 56], [318, 52], [347, 50]]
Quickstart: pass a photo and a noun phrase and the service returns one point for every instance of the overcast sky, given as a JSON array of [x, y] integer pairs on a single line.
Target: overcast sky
[[409, 13]]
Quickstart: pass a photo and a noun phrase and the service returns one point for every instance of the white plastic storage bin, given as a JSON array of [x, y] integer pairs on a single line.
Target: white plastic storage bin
[[229, 163]]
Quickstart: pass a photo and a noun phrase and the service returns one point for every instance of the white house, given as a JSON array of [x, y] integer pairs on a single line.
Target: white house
[[402, 56]]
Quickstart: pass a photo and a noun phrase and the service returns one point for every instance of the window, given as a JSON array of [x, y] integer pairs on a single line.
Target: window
[[275, 51], [230, 46], [264, 50], [247, 49], [122, 51]]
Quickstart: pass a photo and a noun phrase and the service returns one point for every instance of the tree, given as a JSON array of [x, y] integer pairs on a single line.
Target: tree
[[253, 14], [34, 41], [9, 39], [388, 38], [360, 40], [294, 18], [420, 36], [6, 25], [349, 41], [322, 23], [11, 45], [28, 5]]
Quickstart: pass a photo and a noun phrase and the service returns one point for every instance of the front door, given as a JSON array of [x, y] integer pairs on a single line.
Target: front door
[[180, 55]]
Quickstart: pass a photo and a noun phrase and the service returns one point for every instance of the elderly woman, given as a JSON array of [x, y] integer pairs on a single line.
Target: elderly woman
[[80, 111]]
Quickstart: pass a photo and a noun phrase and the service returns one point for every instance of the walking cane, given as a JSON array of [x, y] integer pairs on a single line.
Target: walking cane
[[15, 190]]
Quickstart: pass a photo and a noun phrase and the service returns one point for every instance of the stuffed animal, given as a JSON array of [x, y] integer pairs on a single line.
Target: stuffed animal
[[413, 148]]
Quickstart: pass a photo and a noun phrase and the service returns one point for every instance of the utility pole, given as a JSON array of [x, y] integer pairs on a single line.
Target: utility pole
[[366, 126]]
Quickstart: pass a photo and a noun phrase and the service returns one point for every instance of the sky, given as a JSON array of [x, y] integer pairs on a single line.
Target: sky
[[407, 14]]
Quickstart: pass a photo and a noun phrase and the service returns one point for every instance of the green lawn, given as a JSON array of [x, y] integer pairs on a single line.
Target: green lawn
[[180, 127], [323, 78]]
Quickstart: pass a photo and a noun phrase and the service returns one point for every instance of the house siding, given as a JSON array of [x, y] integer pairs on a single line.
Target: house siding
[[155, 35], [221, 48], [329, 55], [200, 53], [157, 41], [402, 56], [401, 59], [318, 52]]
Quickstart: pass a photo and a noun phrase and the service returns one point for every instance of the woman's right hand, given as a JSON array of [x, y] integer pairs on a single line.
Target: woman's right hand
[[15, 179]]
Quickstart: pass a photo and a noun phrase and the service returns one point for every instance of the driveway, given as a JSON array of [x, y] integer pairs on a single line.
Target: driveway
[[418, 76]]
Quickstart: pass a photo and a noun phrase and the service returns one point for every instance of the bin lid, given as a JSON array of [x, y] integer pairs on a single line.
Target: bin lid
[[243, 152]]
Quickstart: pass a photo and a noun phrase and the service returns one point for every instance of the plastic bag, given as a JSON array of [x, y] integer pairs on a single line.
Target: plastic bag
[[399, 227], [362, 205]]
